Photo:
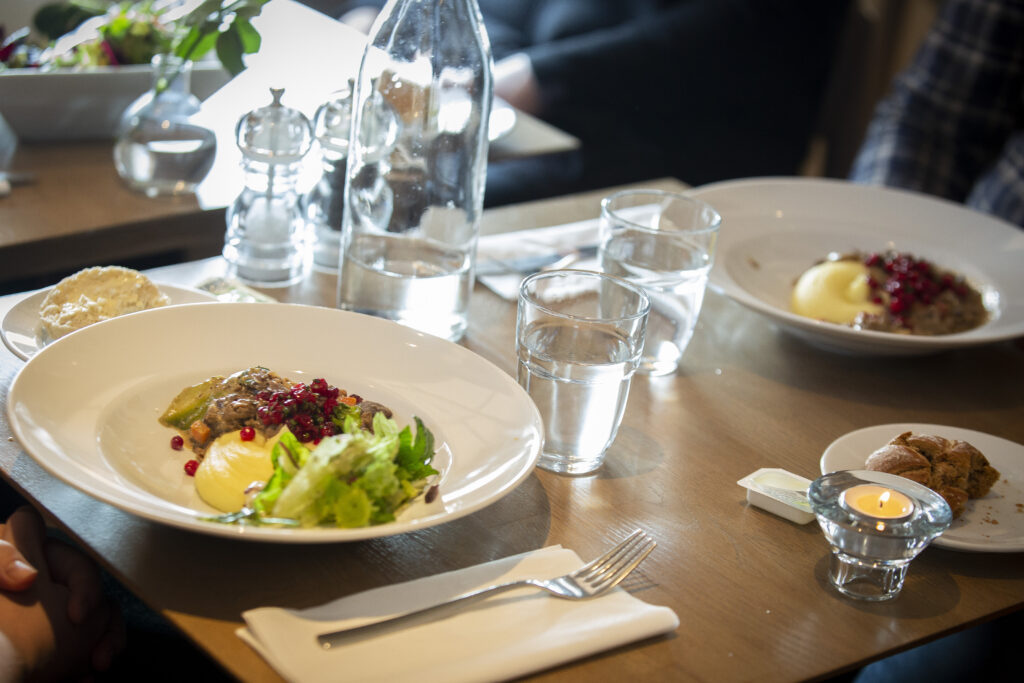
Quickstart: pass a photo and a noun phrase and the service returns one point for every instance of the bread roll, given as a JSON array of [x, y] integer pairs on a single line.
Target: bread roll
[[955, 470]]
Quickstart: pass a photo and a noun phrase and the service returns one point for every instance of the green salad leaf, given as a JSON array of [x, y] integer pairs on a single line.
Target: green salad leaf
[[354, 479]]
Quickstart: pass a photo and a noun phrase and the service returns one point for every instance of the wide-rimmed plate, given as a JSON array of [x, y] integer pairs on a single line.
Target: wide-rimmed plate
[[993, 524], [89, 415], [22, 331], [773, 229]]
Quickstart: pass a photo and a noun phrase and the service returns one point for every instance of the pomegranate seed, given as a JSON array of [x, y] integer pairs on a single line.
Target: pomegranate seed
[[896, 306], [190, 467], [177, 443], [247, 434]]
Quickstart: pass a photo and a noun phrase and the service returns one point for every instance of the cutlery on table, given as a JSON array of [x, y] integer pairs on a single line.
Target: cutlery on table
[[592, 579], [9, 179], [532, 264]]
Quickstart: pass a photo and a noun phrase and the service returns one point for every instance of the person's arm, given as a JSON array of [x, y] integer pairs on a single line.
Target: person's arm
[[515, 82], [950, 113]]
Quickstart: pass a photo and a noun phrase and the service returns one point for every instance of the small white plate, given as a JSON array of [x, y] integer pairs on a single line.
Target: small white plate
[[993, 524], [22, 330], [774, 229], [90, 417]]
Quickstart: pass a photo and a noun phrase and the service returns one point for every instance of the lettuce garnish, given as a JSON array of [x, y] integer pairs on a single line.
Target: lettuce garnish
[[354, 479]]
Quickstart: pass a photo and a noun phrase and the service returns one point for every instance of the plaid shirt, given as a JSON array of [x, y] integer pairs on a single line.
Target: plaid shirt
[[953, 124]]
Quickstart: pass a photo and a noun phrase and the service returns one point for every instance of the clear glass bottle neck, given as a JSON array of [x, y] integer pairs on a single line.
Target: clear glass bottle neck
[[172, 74]]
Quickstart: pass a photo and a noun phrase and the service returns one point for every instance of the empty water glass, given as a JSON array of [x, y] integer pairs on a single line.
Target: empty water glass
[[665, 242], [579, 335]]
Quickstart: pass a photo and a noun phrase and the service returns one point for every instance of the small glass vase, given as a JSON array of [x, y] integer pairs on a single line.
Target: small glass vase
[[160, 149]]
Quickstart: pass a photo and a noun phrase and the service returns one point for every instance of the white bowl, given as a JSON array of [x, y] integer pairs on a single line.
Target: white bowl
[[773, 229], [83, 104]]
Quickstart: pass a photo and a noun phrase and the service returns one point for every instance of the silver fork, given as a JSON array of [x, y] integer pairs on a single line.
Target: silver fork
[[592, 579]]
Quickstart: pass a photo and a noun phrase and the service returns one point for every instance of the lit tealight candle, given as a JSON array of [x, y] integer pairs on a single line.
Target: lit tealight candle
[[876, 501]]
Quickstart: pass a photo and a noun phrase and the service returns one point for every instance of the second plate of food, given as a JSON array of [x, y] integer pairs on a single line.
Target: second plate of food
[[990, 524], [774, 229]]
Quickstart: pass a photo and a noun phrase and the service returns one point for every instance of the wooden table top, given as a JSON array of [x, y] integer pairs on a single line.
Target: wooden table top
[[751, 589]]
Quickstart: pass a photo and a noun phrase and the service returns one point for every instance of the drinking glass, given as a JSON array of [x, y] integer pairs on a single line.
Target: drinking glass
[[579, 335], [665, 242]]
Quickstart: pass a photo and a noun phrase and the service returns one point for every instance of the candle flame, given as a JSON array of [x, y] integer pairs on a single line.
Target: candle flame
[[883, 499]]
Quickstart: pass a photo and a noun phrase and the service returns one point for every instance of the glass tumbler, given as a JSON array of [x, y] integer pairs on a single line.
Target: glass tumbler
[[665, 242], [579, 335]]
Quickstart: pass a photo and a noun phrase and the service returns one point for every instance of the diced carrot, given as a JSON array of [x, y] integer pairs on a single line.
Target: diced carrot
[[348, 400], [199, 432]]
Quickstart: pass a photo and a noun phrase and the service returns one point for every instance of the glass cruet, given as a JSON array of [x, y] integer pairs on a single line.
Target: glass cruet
[[267, 241]]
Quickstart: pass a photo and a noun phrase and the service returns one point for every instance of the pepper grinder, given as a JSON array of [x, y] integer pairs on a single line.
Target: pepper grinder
[[324, 204], [267, 241]]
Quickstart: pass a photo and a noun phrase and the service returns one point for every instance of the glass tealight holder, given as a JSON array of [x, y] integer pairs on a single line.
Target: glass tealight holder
[[876, 523]]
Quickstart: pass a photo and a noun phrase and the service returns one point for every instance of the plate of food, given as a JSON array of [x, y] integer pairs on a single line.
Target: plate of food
[[84, 298], [980, 475], [871, 270], [448, 433]]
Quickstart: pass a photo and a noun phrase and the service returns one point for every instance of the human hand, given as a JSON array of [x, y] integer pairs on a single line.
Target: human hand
[[515, 82], [61, 625], [16, 574]]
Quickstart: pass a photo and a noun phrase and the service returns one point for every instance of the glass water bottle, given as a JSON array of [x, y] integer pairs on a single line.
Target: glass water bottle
[[413, 206]]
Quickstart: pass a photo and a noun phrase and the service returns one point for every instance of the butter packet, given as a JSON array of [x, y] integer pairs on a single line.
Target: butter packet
[[780, 492]]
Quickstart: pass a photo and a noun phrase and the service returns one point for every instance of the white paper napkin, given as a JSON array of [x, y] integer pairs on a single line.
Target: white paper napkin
[[555, 239], [509, 635]]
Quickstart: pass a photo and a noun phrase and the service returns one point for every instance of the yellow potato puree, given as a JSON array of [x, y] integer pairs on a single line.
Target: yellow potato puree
[[230, 466], [835, 291]]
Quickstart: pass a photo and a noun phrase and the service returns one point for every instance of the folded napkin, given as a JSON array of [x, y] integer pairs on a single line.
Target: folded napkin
[[515, 247], [509, 635]]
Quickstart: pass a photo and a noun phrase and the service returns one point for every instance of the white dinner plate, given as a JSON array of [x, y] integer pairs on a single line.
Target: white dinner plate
[[773, 229], [22, 329], [89, 415], [993, 524]]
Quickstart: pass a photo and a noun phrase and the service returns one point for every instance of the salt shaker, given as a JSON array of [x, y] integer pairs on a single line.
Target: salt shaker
[[267, 241], [412, 208]]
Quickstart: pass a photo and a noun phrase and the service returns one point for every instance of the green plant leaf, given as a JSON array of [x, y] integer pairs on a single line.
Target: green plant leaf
[[229, 51], [249, 36]]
